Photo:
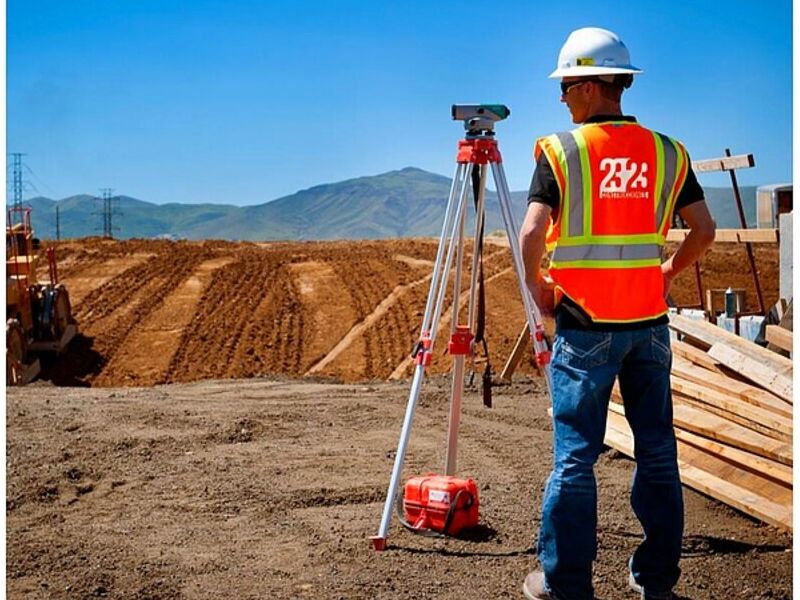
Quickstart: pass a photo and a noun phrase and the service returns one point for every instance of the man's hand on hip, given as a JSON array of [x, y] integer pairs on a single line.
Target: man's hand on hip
[[542, 291]]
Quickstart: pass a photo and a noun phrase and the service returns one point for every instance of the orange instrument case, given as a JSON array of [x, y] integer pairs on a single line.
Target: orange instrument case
[[441, 503]]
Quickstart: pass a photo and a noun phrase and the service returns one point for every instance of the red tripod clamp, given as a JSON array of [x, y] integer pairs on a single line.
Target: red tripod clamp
[[460, 342], [422, 351], [542, 358], [478, 151]]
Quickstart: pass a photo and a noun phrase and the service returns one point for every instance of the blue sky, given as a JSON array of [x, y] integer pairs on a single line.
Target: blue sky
[[243, 102]]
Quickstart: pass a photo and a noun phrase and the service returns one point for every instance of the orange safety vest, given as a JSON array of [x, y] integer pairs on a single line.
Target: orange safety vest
[[618, 183]]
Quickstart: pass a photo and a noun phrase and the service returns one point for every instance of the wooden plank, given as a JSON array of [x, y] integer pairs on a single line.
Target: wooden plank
[[698, 473], [779, 336], [733, 416], [723, 430], [719, 382], [777, 426], [724, 163], [787, 319], [708, 335], [764, 375], [764, 467], [516, 354], [695, 355], [731, 236], [729, 490], [783, 312], [724, 418]]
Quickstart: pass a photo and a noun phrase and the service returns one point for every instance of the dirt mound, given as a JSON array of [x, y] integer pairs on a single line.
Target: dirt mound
[[155, 312]]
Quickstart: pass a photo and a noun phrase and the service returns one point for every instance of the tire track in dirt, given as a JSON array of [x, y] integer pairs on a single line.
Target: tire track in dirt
[[145, 354], [224, 311], [370, 282], [83, 279], [327, 312], [401, 370], [272, 340], [385, 306], [113, 313]]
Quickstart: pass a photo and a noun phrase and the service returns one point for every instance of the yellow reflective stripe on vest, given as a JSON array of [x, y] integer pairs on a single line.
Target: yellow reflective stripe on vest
[[665, 184], [633, 238], [572, 201], [681, 169], [607, 264], [586, 181]]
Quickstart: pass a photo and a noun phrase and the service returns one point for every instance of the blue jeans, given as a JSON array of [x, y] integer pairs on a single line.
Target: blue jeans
[[583, 368]]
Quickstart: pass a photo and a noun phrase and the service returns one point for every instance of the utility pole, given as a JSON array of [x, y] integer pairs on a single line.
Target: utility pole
[[58, 224], [17, 178]]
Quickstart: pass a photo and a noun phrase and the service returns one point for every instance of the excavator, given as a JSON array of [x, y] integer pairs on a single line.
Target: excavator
[[38, 313]]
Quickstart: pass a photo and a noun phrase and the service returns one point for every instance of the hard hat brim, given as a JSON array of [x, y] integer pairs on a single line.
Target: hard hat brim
[[588, 71]]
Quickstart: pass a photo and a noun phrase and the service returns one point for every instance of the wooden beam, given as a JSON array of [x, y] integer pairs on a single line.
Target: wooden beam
[[779, 336], [516, 354], [755, 464], [733, 387], [708, 335], [765, 422], [753, 494], [754, 236], [716, 427], [695, 355], [756, 371], [724, 163], [722, 430]]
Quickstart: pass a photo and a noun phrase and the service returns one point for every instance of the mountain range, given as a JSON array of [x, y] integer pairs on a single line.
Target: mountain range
[[405, 203]]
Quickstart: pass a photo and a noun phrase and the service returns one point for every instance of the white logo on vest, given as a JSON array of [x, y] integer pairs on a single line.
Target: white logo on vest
[[624, 179]]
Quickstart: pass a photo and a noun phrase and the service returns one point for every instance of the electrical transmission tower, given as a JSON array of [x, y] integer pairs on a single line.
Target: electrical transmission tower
[[17, 183], [109, 212]]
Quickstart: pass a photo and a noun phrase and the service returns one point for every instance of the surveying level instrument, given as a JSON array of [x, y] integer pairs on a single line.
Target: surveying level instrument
[[477, 150]]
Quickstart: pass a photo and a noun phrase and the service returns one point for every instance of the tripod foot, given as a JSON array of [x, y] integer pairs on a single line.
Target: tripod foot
[[378, 543]]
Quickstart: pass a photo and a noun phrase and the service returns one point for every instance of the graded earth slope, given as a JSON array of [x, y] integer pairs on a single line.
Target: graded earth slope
[[155, 312]]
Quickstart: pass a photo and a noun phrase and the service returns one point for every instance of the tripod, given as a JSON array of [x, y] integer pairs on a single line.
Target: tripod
[[477, 150]]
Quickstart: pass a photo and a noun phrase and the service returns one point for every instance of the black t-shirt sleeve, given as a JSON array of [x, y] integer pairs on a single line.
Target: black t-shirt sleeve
[[544, 188], [691, 191]]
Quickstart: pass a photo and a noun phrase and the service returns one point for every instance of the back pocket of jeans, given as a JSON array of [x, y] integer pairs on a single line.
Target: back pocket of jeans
[[659, 344], [582, 349]]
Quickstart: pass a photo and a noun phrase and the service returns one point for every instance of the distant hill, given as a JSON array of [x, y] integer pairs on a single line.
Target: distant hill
[[405, 203]]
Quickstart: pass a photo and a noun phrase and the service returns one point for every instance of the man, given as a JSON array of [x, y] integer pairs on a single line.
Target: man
[[602, 198]]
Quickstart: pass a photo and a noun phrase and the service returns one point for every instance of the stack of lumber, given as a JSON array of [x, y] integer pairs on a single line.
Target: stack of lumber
[[732, 411]]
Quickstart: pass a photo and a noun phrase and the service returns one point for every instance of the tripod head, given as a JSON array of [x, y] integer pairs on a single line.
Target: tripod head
[[479, 119]]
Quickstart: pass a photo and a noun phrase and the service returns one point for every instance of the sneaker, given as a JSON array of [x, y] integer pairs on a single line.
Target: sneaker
[[534, 589], [647, 595]]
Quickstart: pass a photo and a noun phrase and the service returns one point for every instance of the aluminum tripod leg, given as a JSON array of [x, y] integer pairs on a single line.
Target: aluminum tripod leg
[[457, 389], [457, 200], [535, 323]]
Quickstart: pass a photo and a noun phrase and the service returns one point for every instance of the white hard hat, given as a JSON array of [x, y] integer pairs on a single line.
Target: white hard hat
[[593, 51]]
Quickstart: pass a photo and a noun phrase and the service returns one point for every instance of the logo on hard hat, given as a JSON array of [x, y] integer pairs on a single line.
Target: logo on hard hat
[[624, 178], [585, 62]]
